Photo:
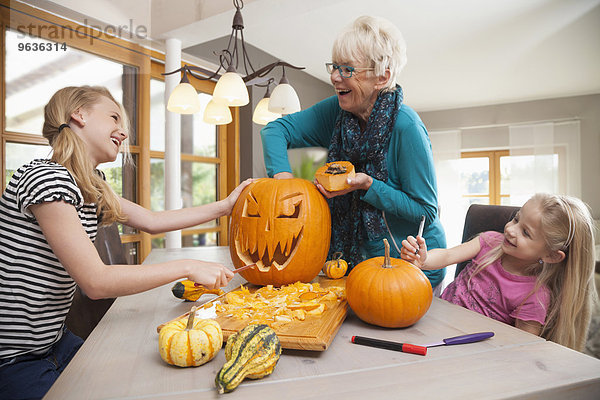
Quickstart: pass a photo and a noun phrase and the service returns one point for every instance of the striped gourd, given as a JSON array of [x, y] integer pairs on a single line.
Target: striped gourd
[[191, 342], [251, 353]]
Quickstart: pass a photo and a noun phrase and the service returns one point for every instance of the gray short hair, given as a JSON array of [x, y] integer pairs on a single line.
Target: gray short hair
[[375, 41]]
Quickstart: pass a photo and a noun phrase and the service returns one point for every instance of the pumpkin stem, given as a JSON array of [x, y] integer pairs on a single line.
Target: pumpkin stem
[[190, 322], [337, 255], [386, 259]]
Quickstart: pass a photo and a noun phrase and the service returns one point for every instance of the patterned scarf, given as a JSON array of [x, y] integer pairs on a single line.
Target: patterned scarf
[[353, 220]]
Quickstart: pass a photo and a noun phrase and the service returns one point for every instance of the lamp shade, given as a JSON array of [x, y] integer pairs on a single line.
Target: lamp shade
[[284, 99], [184, 100], [262, 115], [217, 113], [231, 90]]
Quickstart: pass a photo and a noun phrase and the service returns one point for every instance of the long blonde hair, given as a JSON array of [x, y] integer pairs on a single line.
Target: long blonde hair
[[568, 226], [69, 149]]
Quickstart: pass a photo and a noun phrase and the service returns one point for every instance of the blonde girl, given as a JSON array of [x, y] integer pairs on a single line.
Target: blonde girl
[[49, 214], [537, 275]]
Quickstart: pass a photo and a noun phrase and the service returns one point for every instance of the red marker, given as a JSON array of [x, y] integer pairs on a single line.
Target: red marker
[[384, 344]]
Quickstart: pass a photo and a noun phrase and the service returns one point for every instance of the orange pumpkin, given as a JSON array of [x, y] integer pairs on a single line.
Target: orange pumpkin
[[333, 175], [284, 227], [335, 268], [388, 292]]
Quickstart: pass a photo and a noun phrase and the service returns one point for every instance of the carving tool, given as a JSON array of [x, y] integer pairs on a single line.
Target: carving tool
[[235, 271], [420, 233], [462, 339], [245, 267]]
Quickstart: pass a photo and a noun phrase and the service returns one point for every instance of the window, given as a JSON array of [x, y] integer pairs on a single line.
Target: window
[[32, 77], [480, 177], [485, 176], [76, 55], [202, 166], [18, 154], [504, 165]]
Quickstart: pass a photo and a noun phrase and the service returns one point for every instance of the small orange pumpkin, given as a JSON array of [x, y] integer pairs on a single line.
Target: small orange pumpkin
[[333, 176], [335, 268], [283, 226], [388, 292]]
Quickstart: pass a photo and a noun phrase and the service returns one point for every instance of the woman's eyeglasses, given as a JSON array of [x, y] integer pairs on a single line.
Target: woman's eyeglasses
[[345, 71]]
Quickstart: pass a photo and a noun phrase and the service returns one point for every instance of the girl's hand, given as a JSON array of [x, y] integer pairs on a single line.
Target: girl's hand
[[360, 181], [233, 196], [414, 250], [210, 275]]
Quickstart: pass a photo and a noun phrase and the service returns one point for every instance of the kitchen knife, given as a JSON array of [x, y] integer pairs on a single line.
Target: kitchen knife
[[235, 271], [462, 339], [245, 267]]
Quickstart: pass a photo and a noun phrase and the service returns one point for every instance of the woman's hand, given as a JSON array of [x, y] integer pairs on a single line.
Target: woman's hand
[[233, 196], [414, 250], [360, 181], [283, 175], [210, 275]]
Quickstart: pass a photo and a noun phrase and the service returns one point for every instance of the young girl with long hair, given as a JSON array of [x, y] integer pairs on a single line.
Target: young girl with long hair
[[538, 275], [49, 214]]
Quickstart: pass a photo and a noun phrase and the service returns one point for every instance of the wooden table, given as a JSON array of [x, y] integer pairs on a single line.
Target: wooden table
[[120, 359]]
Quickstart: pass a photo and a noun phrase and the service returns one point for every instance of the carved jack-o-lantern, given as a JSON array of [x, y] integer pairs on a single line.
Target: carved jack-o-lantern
[[283, 226]]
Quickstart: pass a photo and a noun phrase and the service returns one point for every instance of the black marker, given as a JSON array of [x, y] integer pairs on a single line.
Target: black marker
[[384, 344]]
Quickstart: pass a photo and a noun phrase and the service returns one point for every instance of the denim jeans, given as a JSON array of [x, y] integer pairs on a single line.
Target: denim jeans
[[30, 376]]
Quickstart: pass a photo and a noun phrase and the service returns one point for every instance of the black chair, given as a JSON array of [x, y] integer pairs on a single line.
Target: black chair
[[85, 313], [482, 218]]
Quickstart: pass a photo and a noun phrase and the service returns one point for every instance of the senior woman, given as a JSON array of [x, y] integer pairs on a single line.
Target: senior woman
[[367, 124]]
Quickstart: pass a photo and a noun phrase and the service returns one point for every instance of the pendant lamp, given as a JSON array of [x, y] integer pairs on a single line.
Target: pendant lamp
[[231, 88], [262, 115], [284, 99], [184, 99], [217, 113]]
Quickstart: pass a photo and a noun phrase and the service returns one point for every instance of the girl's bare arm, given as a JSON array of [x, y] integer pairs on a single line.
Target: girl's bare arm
[[170, 220], [69, 242], [437, 258]]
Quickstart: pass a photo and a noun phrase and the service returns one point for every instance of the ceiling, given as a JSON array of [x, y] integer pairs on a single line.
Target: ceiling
[[461, 53]]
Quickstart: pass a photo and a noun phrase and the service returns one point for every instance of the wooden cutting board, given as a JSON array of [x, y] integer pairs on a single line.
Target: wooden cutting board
[[314, 333]]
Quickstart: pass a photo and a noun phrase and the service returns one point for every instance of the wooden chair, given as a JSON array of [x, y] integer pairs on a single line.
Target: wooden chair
[[482, 218], [85, 313]]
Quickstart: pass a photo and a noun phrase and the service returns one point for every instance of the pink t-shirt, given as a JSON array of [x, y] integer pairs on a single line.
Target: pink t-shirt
[[496, 293]]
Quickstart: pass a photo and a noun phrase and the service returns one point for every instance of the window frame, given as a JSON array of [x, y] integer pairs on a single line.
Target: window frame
[[220, 161], [14, 15], [494, 195]]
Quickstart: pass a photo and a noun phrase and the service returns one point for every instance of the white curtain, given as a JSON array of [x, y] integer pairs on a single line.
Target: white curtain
[[446, 147], [543, 158], [567, 136]]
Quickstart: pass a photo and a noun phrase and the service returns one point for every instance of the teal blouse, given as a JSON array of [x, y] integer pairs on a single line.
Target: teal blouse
[[411, 188]]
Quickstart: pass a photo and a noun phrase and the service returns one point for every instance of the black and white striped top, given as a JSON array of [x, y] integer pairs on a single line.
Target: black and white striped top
[[35, 290]]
